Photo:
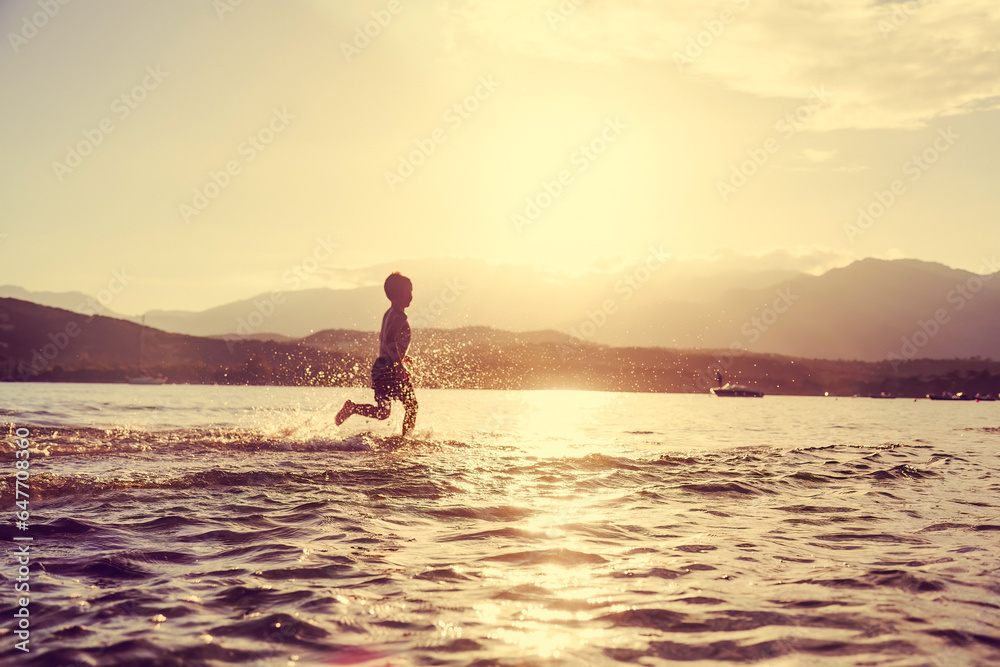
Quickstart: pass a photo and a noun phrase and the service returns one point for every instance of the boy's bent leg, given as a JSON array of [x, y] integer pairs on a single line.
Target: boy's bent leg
[[380, 411], [344, 413]]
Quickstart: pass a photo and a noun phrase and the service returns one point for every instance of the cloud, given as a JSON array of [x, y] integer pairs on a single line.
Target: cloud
[[804, 259], [852, 168], [814, 159], [815, 155], [888, 65]]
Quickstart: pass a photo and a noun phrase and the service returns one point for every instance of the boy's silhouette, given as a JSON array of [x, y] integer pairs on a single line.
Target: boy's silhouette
[[390, 379]]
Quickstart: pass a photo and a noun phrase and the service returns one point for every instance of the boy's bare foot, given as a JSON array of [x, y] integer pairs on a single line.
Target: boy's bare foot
[[344, 413]]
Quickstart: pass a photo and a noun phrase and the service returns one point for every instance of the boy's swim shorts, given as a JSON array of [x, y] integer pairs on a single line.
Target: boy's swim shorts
[[390, 381]]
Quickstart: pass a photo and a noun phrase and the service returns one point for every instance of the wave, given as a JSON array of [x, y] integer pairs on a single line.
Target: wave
[[89, 441], [728, 488], [420, 470], [565, 557]]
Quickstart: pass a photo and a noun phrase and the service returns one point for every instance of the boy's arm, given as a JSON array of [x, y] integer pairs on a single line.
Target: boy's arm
[[403, 342]]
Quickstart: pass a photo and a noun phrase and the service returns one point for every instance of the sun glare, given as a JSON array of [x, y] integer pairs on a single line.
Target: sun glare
[[559, 423]]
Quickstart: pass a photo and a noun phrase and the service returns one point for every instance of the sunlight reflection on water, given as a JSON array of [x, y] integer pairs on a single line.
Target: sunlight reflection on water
[[555, 528]]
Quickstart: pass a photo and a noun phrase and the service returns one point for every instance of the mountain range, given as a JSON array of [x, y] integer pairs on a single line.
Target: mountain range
[[870, 310], [44, 344]]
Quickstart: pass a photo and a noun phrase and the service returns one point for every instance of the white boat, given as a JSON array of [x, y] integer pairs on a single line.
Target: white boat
[[736, 390]]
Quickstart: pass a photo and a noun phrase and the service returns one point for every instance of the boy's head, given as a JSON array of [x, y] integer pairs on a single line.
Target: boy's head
[[399, 289]]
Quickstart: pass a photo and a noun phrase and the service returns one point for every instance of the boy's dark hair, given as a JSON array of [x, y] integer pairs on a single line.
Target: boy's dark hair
[[395, 284]]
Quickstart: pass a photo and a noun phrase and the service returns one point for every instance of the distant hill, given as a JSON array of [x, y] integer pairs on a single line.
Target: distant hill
[[38, 343], [435, 341], [77, 302], [868, 310], [863, 311], [56, 344], [293, 314]]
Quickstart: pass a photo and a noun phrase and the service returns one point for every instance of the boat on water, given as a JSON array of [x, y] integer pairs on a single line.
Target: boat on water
[[736, 390]]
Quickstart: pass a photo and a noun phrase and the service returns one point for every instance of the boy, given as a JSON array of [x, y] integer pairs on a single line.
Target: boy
[[390, 379]]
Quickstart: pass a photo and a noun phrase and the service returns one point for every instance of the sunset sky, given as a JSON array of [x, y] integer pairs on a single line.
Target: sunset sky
[[207, 147]]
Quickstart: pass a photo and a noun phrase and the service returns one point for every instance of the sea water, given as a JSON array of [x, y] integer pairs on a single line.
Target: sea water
[[211, 525]]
